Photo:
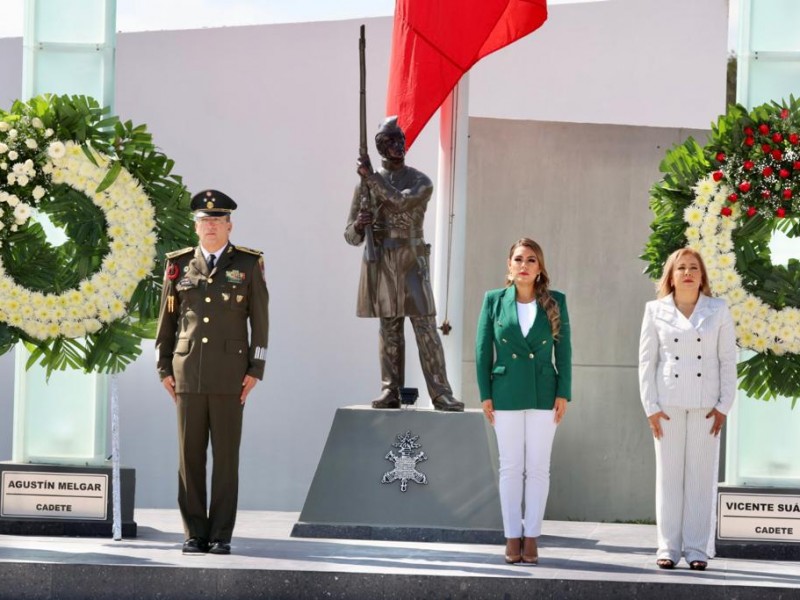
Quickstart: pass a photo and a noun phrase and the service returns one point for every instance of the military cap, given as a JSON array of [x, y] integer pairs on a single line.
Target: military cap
[[212, 203], [389, 126]]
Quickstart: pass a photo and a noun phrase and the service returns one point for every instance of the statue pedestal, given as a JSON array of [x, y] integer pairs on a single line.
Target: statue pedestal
[[63, 500], [458, 503]]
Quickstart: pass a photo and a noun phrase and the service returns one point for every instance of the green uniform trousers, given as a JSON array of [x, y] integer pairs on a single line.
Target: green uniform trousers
[[220, 417]]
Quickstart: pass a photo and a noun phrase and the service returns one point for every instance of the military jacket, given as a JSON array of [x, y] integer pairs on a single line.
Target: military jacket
[[516, 371], [202, 338], [398, 283]]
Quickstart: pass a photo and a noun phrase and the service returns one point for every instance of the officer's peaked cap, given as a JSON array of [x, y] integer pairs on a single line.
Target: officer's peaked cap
[[212, 203]]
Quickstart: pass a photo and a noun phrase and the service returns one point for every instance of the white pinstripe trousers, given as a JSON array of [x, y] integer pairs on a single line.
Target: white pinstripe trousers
[[524, 443], [686, 462]]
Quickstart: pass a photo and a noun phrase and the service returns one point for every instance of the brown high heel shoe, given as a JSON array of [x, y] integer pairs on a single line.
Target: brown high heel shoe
[[513, 555], [530, 551]]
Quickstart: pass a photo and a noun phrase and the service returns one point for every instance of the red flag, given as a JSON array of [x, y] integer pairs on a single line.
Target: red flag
[[435, 42]]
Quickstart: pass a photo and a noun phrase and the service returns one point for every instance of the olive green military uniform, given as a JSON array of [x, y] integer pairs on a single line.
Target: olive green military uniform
[[202, 341]]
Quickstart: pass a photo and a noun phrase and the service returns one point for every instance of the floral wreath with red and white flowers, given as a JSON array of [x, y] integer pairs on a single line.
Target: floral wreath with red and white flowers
[[86, 205], [726, 199]]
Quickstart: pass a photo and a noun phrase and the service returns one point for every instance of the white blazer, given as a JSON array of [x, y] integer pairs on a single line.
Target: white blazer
[[689, 363]]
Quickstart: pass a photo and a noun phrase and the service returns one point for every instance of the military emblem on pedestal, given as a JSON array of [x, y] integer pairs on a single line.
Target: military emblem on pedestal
[[405, 465]]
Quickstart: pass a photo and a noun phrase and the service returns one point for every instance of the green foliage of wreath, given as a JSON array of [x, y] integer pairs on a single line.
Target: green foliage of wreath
[[70, 170], [727, 198]]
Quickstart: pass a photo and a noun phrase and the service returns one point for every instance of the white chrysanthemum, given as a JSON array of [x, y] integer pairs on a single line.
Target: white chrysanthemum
[[758, 326], [760, 344], [56, 150], [22, 213], [4, 126], [37, 123], [38, 193], [693, 215], [726, 260], [705, 186], [702, 201], [31, 144]]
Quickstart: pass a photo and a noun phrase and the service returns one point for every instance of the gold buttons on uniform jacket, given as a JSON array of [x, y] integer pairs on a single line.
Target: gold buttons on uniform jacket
[[205, 340], [210, 280], [208, 299], [544, 342], [205, 319], [513, 356], [530, 355]]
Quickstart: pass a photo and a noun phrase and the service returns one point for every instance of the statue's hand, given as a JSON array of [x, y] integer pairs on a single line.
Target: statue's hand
[[363, 219], [365, 166]]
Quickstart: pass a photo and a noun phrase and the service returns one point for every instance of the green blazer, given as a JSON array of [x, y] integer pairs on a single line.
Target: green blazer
[[519, 372]]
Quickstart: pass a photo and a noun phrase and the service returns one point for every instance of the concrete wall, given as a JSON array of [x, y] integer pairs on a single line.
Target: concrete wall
[[581, 191], [269, 115]]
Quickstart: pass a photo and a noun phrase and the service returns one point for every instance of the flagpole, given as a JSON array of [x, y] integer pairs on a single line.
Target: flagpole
[[449, 244]]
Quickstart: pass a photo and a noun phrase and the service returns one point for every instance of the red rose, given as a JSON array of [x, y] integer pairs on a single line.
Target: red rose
[[777, 154], [784, 173], [766, 171], [751, 211], [726, 210], [777, 137], [744, 186], [766, 148], [717, 175], [787, 193], [748, 131], [763, 129], [748, 164], [794, 138], [785, 113], [796, 165], [781, 212], [748, 141], [733, 197], [766, 194], [720, 157]]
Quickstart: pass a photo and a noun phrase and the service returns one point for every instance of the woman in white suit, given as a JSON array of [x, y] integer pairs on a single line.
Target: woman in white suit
[[687, 383]]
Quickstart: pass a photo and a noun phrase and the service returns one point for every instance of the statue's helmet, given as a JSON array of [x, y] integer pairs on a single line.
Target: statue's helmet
[[389, 131]]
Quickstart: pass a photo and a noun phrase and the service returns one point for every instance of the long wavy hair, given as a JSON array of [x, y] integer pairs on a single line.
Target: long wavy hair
[[541, 286], [664, 286]]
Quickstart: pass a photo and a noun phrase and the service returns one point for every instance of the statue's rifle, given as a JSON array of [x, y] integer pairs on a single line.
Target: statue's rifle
[[366, 204]]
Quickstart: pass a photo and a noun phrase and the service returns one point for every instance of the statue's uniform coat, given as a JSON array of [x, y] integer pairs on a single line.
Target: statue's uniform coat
[[398, 283]]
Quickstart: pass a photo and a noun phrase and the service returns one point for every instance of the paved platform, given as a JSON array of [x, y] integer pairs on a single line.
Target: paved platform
[[578, 560]]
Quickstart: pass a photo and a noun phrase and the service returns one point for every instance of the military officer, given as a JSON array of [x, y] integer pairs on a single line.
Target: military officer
[[208, 365], [397, 285]]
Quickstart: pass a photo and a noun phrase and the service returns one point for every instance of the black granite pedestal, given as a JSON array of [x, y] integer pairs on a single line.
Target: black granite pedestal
[[44, 504]]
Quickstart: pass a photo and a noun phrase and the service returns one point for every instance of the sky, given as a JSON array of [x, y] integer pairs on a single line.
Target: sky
[[149, 15]]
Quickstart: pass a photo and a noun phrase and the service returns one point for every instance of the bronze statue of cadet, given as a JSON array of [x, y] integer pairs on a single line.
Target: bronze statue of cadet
[[397, 284], [208, 364]]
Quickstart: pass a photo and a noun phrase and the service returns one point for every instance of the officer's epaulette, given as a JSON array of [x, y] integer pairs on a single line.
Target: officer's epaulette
[[249, 250], [181, 252]]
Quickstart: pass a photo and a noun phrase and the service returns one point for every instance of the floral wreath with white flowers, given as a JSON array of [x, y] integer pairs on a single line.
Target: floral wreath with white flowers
[[87, 204], [726, 200]]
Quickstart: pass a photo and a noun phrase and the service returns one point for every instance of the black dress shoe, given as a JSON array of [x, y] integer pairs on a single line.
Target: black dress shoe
[[387, 399], [195, 545], [219, 548], [447, 403]]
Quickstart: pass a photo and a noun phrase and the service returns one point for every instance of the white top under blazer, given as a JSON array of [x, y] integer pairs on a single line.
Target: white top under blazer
[[688, 363]]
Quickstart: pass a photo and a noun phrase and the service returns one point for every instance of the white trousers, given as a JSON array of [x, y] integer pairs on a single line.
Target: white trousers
[[686, 475], [524, 442]]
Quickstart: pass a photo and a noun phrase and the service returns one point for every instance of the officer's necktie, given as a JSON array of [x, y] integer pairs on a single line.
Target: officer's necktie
[[212, 260]]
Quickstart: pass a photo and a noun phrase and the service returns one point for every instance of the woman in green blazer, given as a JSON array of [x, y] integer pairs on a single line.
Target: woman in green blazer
[[524, 362]]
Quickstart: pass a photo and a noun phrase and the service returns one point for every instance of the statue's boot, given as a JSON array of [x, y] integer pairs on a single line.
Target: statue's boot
[[447, 403], [387, 399]]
